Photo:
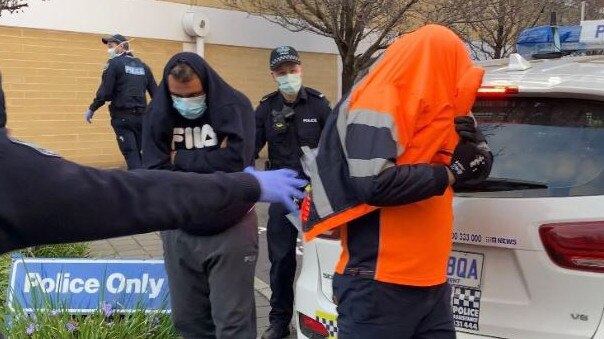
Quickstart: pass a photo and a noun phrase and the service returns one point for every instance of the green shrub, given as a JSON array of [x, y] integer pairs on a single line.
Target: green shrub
[[5, 262], [60, 324], [76, 250]]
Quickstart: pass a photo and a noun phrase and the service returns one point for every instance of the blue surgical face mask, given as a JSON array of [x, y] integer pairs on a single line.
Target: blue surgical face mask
[[190, 108], [290, 83]]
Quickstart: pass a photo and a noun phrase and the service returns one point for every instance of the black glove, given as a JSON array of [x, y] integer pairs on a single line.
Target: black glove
[[471, 164], [466, 128]]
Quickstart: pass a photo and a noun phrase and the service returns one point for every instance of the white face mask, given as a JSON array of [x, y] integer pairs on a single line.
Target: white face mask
[[290, 83], [111, 51]]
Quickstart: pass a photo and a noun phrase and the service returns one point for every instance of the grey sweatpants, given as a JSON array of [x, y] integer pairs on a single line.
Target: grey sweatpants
[[211, 281]]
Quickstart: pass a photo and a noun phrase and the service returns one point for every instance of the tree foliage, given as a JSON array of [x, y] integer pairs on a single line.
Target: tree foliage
[[371, 24], [12, 5], [491, 27]]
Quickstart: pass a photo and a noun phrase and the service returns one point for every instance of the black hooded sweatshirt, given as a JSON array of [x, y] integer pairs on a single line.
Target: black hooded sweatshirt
[[222, 139]]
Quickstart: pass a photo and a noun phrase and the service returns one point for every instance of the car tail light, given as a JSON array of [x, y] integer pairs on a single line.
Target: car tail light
[[494, 91], [312, 328], [333, 234], [575, 245]]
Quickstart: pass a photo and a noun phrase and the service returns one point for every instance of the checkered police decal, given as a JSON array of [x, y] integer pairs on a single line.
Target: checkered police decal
[[465, 303], [330, 323], [466, 297]]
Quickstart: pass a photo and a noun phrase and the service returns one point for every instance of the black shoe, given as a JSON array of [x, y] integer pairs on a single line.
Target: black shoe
[[274, 332]]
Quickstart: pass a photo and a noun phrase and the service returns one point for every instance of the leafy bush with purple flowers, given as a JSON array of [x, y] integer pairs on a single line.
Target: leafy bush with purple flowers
[[108, 322]]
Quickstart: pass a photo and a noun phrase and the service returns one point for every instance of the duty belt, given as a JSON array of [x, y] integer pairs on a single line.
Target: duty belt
[[133, 110]]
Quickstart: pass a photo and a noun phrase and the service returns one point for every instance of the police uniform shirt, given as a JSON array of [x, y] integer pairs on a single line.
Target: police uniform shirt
[[124, 82], [287, 127]]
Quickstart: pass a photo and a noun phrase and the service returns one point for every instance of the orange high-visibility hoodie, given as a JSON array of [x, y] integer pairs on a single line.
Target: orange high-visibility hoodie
[[400, 114]]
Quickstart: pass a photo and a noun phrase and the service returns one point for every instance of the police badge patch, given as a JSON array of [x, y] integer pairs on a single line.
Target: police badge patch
[[283, 50]]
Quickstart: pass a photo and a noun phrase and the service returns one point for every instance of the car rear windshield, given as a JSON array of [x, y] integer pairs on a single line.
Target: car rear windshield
[[554, 146]]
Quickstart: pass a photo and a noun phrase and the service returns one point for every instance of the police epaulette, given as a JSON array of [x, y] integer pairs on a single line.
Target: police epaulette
[[314, 92], [268, 96]]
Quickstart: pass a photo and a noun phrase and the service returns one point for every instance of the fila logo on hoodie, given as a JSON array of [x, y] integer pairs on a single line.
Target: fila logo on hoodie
[[194, 137]]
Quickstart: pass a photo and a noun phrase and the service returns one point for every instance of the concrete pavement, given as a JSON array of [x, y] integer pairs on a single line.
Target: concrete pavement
[[149, 246]]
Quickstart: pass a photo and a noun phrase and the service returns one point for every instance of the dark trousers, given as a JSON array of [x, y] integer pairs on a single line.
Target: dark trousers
[[211, 281], [128, 129], [281, 236], [373, 309]]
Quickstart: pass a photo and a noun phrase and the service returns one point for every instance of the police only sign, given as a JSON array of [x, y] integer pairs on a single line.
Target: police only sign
[[81, 285]]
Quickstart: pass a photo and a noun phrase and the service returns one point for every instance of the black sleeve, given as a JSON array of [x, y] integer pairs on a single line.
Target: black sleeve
[[405, 184], [151, 83], [261, 112], [45, 199], [105, 91], [374, 175], [237, 124]]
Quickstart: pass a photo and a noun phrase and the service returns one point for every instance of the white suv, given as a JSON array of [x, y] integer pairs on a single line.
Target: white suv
[[528, 254]]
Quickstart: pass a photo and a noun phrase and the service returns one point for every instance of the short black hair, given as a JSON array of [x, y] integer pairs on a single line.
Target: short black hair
[[182, 72]]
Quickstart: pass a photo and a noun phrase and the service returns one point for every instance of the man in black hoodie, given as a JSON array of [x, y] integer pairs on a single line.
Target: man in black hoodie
[[198, 123], [41, 195]]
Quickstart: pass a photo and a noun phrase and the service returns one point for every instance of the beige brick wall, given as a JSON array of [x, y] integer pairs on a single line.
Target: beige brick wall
[[247, 70], [50, 78]]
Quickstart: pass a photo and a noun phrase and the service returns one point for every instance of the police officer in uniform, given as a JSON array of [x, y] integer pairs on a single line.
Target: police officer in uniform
[[125, 81], [287, 119]]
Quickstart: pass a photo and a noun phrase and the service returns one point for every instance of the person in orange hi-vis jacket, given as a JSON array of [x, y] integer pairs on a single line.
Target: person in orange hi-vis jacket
[[383, 176]]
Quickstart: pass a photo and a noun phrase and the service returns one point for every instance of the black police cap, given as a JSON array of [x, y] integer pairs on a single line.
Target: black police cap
[[117, 38], [283, 54]]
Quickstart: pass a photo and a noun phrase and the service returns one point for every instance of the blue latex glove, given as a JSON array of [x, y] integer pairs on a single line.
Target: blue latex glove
[[279, 186], [88, 115]]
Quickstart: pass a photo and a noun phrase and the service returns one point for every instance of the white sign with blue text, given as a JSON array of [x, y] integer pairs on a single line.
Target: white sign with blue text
[[82, 285]]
